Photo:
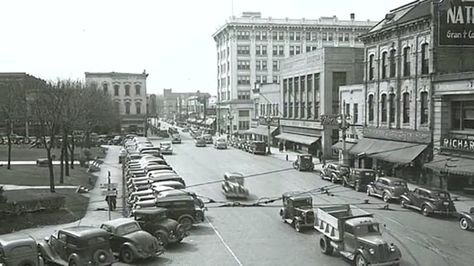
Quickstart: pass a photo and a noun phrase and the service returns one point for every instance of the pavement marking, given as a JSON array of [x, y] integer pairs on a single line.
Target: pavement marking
[[225, 244]]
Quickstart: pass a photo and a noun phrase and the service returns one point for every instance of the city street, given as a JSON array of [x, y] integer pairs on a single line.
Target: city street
[[257, 235]]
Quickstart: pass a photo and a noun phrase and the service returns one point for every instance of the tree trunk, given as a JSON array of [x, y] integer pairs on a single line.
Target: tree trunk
[[52, 188], [66, 153], [71, 150], [61, 175], [9, 164]]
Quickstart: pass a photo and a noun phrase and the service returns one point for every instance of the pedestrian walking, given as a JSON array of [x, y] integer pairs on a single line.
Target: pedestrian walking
[[108, 199], [320, 156], [280, 146]]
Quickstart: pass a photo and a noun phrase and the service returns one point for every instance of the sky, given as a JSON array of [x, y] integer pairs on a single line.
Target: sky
[[170, 39]]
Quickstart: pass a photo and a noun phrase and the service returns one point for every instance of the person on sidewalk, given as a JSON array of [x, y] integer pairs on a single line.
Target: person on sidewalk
[[280, 146]]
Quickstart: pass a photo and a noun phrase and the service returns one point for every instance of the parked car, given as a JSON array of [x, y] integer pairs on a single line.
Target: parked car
[[257, 147], [176, 139], [81, 245], [304, 162], [207, 138], [466, 219], [359, 178], [220, 143], [129, 241], [156, 222], [387, 188], [429, 201], [233, 186], [334, 172], [183, 209], [297, 210], [200, 142], [166, 147], [18, 249]]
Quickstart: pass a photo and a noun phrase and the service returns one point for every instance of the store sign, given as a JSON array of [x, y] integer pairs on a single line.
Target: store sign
[[456, 23], [457, 144], [404, 135], [300, 123]]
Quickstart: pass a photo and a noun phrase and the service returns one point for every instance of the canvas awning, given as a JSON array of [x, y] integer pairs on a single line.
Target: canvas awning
[[261, 130], [387, 150], [451, 165], [302, 139], [338, 146]]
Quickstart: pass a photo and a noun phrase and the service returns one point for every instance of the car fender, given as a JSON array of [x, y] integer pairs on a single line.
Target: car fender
[[468, 216], [406, 198], [46, 251], [430, 205], [386, 191], [131, 246], [186, 215], [74, 257], [371, 188], [364, 252]]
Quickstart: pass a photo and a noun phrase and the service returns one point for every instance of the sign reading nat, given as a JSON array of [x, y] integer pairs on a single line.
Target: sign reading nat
[[456, 22]]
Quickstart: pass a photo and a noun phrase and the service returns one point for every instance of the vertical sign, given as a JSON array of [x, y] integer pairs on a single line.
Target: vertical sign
[[456, 23]]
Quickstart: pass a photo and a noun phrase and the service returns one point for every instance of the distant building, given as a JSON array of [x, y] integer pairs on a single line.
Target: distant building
[[250, 49], [128, 92]]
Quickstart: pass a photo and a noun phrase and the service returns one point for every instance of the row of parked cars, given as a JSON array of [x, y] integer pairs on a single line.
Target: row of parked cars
[[251, 146], [428, 201]]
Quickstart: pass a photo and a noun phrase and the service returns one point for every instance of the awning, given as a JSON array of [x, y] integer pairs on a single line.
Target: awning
[[338, 146], [307, 140], [387, 150], [261, 130], [452, 165]]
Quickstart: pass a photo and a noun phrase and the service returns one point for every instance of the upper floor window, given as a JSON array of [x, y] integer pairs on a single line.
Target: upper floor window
[[424, 107], [384, 65], [391, 100], [243, 35], [371, 107], [276, 65], [117, 107], [371, 67], [355, 113], [462, 115], [243, 49], [406, 61], [127, 108], [105, 87], [393, 63], [424, 59], [116, 90], [137, 89], [383, 103], [127, 90], [138, 107], [406, 107]]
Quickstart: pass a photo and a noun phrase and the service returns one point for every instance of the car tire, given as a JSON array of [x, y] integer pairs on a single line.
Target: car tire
[[360, 260], [403, 203], [186, 222], [72, 262], [464, 223], [333, 180], [297, 226], [162, 238], [385, 197], [425, 210], [126, 255], [325, 245]]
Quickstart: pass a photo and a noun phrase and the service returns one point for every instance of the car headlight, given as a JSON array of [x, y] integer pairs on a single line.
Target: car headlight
[[371, 251], [392, 248]]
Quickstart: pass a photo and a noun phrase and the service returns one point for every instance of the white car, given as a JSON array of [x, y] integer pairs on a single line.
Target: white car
[[220, 143], [166, 147]]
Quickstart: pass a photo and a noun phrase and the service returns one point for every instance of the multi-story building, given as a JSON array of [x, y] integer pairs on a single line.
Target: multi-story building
[[250, 49], [128, 92], [310, 92]]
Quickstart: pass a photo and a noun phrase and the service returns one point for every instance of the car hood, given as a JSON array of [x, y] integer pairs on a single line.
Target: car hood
[[140, 237], [372, 239]]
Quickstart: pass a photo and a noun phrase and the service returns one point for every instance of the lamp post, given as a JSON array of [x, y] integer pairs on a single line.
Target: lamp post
[[230, 117], [343, 121], [268, 119]]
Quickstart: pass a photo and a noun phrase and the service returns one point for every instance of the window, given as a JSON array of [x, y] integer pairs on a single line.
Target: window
[[276, 79], [371, 67], [298, 35], [137, 89], [462, 115], [424, 59], [391, 100], [355, 113], [243, 80], [281, 50], [393, 63], [275, 49], [310, 48], [330, 36], [347, 109], [117, 107], [290, 110], [275, 35], [292, 36], [325, 36], [280, 35], [276, 65], [285, 109], [309, 109], [244, 113], [424, 107], [261, 50], [105, 87], [243, 95], [264, 65], [127, 90], [127, 108], [341, 37], [243, 35], [308, 36], [243, 64], [244, 125], [298, 49], [383, 103], [346, 37], [116, 90], [406, 61], [292, 50], [297, 112], [371, 107], [406, 107], [138, 107], [384, 65], [243, 49]]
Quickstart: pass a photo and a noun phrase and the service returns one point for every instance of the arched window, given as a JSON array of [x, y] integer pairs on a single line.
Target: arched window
[[127, 108], [138, 106], [393, 63], [116, 90], [424, 59], [384, 65], [105, 87], [406, 61], [406, 107], [371, 107], [371, 67], [117, 107], [383, 108], [137, 89], [424, 107], [127, 90], [391, 99]]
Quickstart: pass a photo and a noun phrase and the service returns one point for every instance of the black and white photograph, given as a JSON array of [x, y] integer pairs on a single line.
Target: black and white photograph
[[237, 132]]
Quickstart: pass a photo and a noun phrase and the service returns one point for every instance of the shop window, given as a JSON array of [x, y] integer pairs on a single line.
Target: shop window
[[462, 115], [383, 108], [371, 107], [355, 113], [424, 107], [406, 107]]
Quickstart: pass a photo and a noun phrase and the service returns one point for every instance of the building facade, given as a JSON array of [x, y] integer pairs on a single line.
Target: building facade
[[250, 49], [310, 91], [128, 92]]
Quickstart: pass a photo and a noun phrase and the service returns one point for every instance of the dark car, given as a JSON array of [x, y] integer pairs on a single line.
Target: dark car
[[156, 222], [429, 201], [257, 147], [200, 142], [297, 210], [304, 162], [387, 188], [466, 219], [81, 245], [129, 241], [19, 249], [359, 178], [183, 209], [176, 139], [334, 172]]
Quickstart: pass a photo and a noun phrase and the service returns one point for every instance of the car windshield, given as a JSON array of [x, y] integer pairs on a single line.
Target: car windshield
[[367, 229], [399, 183], [307, 203], [441, 195], [165, 144], [127, 229]]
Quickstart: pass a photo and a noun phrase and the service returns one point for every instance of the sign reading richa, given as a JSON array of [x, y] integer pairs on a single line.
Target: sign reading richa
[[456, 22]]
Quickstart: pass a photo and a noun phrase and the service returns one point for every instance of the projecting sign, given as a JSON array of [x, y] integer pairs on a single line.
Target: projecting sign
[[456, 23]]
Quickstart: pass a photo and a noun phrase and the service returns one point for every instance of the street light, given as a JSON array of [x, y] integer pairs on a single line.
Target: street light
[[230, 117], [268, 119], [344, 124]]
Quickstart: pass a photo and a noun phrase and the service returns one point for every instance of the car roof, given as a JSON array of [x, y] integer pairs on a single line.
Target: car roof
[[83, 231], [175, 198], [149, 211], [430, 190], [229, 174], [392, 179], [119, 221], [18, 238]]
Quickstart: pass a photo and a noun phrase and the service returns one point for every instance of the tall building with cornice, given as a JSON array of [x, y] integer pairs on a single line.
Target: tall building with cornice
[[249, 50]]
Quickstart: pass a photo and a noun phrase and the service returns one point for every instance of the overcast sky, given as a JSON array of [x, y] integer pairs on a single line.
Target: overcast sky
[[171, 39]]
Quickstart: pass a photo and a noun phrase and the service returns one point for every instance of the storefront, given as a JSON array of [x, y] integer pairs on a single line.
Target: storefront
[[302, 136]]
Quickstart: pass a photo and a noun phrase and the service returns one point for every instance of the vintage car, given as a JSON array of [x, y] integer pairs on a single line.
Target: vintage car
[[220, 143], [466, 219], [166, 147], [200, 142], [334, 172], [297, 210], [359, 178], [81, 245], [233, 186], [18, 249], [207, 138], [174, 184], [184, 209], [304, 162], [176, 139], [156, 222], [122, 155], [129, 242], [257, 147], [387, 188], [429, 201]]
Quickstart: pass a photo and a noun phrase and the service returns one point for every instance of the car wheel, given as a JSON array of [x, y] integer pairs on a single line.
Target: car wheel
[[464, 223], [385, 197], [297, 226], [186, 222], [333, 180], [72, 262], [325, 245], [162, 238], [360, 260], [425, 210], [126, 255], [357, 186], [403, 203]]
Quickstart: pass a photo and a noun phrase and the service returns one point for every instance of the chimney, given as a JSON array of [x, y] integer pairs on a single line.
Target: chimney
[[352, 16]]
